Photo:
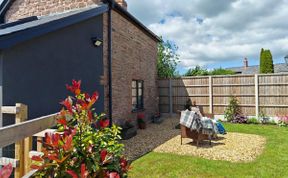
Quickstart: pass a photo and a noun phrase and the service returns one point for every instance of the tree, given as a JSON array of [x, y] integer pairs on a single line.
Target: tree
[[197, 71], [167, 59], [221, 71], [266, 62]]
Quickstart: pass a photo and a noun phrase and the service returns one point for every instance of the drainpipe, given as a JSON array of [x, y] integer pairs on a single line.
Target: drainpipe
[[111, 5], [1, 93]]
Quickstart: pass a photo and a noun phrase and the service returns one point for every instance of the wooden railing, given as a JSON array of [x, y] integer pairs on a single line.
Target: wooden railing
[[21, 134]]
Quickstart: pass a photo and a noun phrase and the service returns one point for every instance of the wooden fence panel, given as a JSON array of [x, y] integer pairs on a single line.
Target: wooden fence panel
[[264, 93]]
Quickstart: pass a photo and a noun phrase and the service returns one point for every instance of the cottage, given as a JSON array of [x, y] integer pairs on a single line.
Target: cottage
[[46, 44]]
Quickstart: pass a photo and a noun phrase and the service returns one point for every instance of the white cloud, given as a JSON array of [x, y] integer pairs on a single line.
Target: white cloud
[[230, 30]]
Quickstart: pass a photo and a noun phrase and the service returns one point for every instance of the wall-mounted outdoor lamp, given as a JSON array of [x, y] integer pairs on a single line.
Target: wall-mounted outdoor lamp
[[96, 41], [286, 59]]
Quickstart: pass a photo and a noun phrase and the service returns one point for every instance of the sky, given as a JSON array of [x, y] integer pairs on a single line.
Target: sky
[[218, 33]]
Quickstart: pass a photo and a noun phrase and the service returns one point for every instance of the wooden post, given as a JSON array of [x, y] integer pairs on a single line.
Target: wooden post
[[39, 144], [210, 94], [170, 97], [21, 115], [256, 95], [27, 149]]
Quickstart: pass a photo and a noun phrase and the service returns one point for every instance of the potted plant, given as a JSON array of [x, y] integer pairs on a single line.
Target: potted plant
[[156, 118], [128, 128], [141, 121]]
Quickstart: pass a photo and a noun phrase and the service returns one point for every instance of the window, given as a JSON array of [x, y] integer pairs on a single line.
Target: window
[[137, 95]]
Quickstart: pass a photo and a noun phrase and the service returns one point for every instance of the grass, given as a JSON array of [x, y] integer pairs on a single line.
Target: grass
[[273, 162]]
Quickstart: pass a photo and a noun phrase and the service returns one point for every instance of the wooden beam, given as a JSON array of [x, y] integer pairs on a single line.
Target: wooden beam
[[9, 110], [190, 86], [4, 161], [210, 94], [27, 149], [233, 85], [16, 132], [29, 174], [256, 80], [273, 84], [170, 97], [35, 153], [21, 116], [42, 133]]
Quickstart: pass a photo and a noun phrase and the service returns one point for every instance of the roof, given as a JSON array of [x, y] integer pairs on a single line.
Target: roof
[[22, 30], [278, 68]]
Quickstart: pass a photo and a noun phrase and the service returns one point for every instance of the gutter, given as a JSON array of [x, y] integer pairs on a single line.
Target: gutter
[[4, 6]]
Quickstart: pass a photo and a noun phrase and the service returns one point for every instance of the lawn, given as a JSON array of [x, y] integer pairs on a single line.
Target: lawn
[[273, 162]]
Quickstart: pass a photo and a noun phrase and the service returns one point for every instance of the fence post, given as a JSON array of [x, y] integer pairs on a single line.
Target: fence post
[[170, 97], [256, 95], [21, 115], [210, 95]]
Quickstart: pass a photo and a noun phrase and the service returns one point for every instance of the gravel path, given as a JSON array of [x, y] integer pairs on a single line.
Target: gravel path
[[150, 138], [234, 147]]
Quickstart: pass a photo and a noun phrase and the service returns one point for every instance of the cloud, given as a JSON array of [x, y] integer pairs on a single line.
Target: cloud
[[209, 32]]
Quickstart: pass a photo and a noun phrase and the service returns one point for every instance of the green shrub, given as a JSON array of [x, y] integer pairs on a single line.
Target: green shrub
[[253, 120], [271, 122], [233, 112], [86, 147]]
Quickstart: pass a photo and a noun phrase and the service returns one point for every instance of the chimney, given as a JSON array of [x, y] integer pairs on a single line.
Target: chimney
[[245, 62], [122, 3]]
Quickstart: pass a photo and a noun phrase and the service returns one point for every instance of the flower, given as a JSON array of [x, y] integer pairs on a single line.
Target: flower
[[114, 175], [75, 88], [140, 116], [103, 155], [68, 104], [104, 123], [6, 171], [124, 164]]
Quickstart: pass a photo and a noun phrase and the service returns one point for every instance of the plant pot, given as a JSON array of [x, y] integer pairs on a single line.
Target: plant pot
[[157, 120], [128, 133]]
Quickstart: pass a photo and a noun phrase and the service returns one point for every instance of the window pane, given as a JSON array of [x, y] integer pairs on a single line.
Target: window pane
[[134, 92], [140, 92], [134, 84], [139, 84], [134, 100]]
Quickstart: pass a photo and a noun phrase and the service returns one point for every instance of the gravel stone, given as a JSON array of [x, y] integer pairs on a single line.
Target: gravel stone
[[164, 138]]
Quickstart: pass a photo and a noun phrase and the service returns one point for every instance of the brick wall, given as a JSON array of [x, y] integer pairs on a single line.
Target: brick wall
[[134, 57], [26, 8]]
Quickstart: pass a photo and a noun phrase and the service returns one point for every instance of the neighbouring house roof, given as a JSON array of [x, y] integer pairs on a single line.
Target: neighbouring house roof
[[25, 29], [278, 68]]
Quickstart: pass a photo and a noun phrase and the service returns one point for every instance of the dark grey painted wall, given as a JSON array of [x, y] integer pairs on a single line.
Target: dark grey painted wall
[[35, 72]]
